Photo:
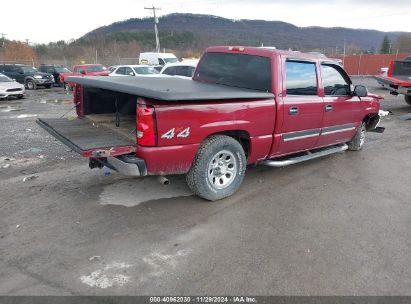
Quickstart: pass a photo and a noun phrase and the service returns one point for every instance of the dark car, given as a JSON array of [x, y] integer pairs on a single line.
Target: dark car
[[54, 70], [27, 75]]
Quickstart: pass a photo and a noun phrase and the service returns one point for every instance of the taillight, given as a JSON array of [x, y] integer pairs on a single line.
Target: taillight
[[146, 125]]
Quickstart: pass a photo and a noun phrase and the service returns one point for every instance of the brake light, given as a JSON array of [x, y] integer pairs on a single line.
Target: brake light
[[236, 48], [146, 125]]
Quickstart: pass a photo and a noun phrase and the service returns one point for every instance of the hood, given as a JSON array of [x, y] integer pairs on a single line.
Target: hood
[[10, 85], [43, 75]]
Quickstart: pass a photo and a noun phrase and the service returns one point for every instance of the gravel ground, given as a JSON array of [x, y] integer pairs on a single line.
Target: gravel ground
[[340, 225]]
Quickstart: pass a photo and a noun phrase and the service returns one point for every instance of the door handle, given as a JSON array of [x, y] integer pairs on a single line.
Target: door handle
[[293, 111], [328, 108]]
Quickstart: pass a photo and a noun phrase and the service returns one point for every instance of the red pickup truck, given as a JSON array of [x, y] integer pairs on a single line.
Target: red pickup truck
[[398, 78], [83, 69], [244, 106]]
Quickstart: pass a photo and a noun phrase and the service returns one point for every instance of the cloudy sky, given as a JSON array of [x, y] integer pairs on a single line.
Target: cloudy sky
[[72, 19]]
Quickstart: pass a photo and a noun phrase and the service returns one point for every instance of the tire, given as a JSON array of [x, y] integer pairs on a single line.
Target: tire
[[20, 96], [218, 168], [407, 99], [358, 140], [47, 86], [30, 85]]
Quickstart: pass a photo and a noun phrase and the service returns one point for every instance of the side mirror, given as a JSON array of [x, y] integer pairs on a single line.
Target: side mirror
[[360, 91], [131, 74], [21, 72], [82, 72]]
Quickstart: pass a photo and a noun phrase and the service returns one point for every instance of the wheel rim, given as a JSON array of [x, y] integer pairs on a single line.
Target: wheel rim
[[222, 169], [30, 85], [362, 135]]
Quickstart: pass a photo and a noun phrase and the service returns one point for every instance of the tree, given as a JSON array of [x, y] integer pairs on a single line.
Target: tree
[[15, 51], [386, 46]]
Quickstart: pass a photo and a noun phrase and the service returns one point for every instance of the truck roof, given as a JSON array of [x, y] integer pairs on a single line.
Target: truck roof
[[265, 51]]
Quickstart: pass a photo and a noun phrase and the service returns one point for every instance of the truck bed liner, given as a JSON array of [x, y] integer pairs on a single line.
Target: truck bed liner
[[81, 135], [169, 88]]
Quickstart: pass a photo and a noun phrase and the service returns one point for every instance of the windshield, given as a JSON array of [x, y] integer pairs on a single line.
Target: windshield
[[62, 70], [29, 69], [96, 68], [236, 70], [146, 70], [5, 79], [170, 60]]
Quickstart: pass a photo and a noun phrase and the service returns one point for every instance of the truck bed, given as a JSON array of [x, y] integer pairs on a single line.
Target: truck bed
[[395, 80], [169, 88], [82, 134]]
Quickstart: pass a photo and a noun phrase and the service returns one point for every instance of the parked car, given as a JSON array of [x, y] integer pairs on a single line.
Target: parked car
[[54, 70], [83, 69], [244, 106], [184, 68], [133, 70], [10, 88], [27, 75]]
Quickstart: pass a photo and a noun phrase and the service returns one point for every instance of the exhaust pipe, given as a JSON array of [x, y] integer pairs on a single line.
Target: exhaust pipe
[[163, 180]]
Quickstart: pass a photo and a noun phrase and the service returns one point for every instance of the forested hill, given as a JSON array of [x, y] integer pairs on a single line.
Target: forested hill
[[193, 31]]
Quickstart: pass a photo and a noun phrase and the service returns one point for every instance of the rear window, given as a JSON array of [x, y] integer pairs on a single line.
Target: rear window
[[402, 68], [236, 70]]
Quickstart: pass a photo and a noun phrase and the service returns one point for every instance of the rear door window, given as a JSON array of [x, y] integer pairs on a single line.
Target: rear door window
[[128, 71], [170, 71], [121, 71], [8, 68], [185, 71], [301, 78]]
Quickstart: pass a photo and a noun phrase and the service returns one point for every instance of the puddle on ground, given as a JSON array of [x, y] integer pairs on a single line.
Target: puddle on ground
[[56, 101], [132, 192], [24, 116], [30, 151]]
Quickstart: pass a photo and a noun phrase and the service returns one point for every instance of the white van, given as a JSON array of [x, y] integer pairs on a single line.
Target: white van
[[157, 58]]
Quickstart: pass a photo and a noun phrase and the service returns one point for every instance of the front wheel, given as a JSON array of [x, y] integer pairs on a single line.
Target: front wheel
[[358, 140], [408, 99], [31, 85], [218, 168]]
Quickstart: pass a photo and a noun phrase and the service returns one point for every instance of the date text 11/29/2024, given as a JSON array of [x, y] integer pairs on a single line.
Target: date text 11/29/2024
[[203, 299]]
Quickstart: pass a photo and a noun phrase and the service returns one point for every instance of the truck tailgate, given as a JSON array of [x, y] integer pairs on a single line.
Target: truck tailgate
[[83, 137]]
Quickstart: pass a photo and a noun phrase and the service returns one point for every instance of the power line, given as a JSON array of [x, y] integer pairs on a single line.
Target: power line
[[153, 8]]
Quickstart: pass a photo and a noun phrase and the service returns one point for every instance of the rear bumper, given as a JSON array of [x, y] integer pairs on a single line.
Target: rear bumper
[[128, 165]]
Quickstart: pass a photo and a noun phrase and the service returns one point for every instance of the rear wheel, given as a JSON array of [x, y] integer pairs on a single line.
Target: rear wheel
[[31, 85], [218, 168], [20, 96], [407, 99], [358, 140]]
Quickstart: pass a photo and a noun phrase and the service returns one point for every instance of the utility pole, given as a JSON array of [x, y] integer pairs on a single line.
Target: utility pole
[[344, 54], [155, 26]]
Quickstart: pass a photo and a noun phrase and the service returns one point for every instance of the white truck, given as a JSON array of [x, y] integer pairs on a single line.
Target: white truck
[[157, 59]]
